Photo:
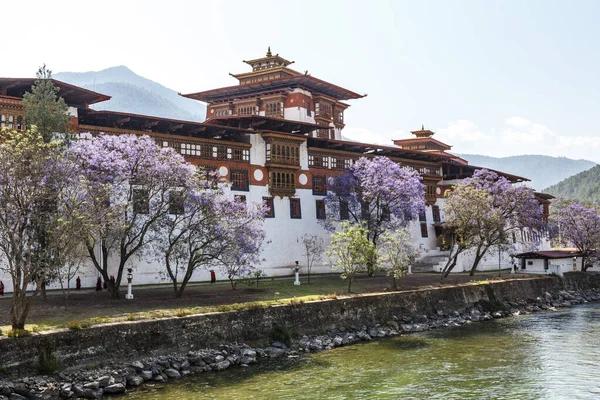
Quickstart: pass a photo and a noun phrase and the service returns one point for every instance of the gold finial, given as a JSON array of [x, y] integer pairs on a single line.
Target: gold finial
[[269, 52]]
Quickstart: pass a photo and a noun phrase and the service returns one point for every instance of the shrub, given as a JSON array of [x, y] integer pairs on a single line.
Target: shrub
[[280, 333], [18, 333], [131, 317], [181, 312], [47, 362], [74, 325]]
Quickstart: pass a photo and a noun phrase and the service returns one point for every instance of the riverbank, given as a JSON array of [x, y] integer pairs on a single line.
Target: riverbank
[[333, 323]]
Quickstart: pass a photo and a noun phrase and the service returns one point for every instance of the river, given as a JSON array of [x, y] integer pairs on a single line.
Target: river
[[549, 355]]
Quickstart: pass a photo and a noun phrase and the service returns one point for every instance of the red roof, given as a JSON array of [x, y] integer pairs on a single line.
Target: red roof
[[304, 81], [550, 254], [73, 95]]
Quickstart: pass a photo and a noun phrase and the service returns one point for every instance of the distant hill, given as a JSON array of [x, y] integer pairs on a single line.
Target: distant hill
[[584, 186], [135, 94], [543, 171]]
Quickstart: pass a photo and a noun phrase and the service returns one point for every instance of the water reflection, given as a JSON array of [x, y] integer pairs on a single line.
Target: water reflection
[[552, 355]]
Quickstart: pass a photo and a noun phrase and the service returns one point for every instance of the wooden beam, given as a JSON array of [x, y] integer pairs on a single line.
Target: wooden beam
[[150, 124], [174, 127]]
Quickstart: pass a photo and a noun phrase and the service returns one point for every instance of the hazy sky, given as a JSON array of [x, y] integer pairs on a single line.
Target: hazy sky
[[490, 77]]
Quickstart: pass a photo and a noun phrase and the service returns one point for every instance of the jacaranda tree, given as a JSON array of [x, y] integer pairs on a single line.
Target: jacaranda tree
[[207, 228], [377, 194], [580, 226], [125, 186]]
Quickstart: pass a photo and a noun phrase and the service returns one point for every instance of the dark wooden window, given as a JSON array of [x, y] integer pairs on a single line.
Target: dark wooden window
[[239, 179], [268, 201], [282, 182], [308, 110], [422, 217], [141, 201], [436, 213], [295, 210], [320, 209], [424, 232], [319, 182], [176, 206], [344, 211]]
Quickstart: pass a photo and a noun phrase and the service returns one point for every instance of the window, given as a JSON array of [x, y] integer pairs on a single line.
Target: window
[[11, 121], [247, 110], [274, 109], [268, 202], [282, 182], [308, 109], [319, 185], [422, 216], [283, 153], [240, 198], [20, 123], [295, 211], [176, 202], [318, 161], [436, 213], [141, 201], [239, 179], [344, 211], [2, 121], [385, 214], [424, 232], [320, 209], [238, 154]]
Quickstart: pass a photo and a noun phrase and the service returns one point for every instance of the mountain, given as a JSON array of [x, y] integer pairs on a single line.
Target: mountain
[[543, 171], [135, 94], [584, 186]]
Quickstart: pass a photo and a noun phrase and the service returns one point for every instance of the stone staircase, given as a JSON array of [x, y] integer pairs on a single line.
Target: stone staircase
[[430, 263]]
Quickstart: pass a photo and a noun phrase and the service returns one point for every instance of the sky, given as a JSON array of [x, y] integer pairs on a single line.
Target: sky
[[497, 78]]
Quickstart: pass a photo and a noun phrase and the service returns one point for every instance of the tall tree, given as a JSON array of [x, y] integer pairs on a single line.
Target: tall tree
[[351, 251], [580, 226], [34, 224], [313, 251], [44, 108], [512, 213], [396, 253], [377, 194], [124, 191], [206, 228]]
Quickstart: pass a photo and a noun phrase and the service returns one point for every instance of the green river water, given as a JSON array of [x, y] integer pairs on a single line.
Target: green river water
[[550, 355]]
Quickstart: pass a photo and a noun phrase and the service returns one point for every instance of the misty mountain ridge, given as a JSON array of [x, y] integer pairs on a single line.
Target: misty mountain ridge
[[543, 171], [132, 93]]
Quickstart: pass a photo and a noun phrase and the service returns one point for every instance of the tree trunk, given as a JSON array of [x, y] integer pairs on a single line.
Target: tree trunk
[[394, 283], [583, 267], [43, 291], [350, 283], [478, 256]]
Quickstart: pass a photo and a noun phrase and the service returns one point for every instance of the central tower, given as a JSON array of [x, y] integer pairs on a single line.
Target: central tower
[[275, 91]]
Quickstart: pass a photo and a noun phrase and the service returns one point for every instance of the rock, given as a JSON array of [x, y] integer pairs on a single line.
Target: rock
[[278, 345], [158, 378], [247, 360], [91, 385], [275, 352], [219, 358], [105, 380], [146, 375], [185, 365], [220, 366], [176, 365], [15, 396], [115, 388], [337, 341], [548, 297], [135, 380], [497, 314], [137, 365], [406, 327], [249, 353], [172, 373]]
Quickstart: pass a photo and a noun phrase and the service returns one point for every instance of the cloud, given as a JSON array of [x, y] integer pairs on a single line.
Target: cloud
[[516, 136]]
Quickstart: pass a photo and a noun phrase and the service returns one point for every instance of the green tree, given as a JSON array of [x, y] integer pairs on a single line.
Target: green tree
[[351, 251], [44, 108], [396, 253]]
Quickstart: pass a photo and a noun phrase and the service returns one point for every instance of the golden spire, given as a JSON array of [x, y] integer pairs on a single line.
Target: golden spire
[[269, 52]]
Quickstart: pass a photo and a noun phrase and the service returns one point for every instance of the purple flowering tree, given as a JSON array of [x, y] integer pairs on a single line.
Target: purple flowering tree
[[377, 194], [498, 214], [580, 226], [36, 230], [125, 187], [207, 228]]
